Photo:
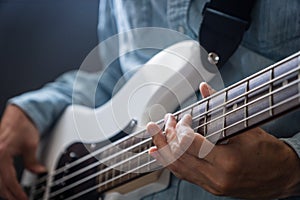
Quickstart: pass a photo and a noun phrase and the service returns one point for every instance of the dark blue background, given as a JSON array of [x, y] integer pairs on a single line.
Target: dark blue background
[[40, 39]]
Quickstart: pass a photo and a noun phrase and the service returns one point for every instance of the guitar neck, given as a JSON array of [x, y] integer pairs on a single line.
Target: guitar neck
[[248, 103]]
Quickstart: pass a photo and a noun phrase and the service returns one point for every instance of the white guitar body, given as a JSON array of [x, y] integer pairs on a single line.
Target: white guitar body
[[166, 81]]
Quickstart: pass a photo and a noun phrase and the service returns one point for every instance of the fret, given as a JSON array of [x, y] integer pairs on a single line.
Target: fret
[[299, 75], [215, 114], [255, 105], [236, 108], [245, 103], [206, 118], [198, 119], [270, 90], [122, 157], [138, 162], [224, 115], [113, 171], [127, 165]]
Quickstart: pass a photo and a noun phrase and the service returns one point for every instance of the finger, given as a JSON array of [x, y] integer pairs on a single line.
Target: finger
[[31, 163], [206, 90], [157, 135], [170, 121], [9, 179], [185, 133], [170, 124], [162, 150], [197, 145]]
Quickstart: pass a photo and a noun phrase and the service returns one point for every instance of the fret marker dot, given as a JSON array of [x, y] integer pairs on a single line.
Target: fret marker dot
[[234, 106]]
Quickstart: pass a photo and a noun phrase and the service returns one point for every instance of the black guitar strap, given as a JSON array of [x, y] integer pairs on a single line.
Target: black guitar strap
[[223, 26]]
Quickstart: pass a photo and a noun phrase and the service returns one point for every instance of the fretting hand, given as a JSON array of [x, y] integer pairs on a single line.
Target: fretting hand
[[252, 165]]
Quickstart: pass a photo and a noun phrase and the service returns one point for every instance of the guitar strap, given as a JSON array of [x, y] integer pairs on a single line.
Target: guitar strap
[[223, 26]]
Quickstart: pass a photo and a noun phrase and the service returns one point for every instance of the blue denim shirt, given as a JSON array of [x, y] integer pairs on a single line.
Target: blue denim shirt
[[273, 35]]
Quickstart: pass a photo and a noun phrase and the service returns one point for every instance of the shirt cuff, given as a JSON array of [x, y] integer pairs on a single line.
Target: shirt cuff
[[294, 142]]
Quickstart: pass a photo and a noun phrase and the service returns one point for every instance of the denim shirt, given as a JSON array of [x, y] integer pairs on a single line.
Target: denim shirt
[[273, 35]]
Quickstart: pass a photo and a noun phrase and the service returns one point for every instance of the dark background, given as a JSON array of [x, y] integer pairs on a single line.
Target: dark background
[[40, 39]]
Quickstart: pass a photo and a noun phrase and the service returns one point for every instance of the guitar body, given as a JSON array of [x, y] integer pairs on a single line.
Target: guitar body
[[162, 85]]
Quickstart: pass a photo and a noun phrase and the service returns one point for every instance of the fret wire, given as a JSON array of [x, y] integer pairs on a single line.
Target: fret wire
[[275, 65], [150, 138], [105, 170], [92, 154], [99, 185], [251, 102], [245, 102], [280, 89], [148, 158], [250, 91], [244, 94], [224, 112], [238, 96], [205, 117], [258, 113], [123, 152], [274, 106], [270, 90], [161, 121], [299, 74]]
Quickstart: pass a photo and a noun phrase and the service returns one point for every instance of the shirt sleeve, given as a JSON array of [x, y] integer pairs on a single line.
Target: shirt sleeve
[[294, 142], [44, 106]]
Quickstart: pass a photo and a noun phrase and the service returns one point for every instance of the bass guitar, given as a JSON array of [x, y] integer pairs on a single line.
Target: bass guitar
[[102, 153]]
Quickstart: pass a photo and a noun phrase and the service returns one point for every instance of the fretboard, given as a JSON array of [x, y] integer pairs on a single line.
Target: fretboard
[[255, 100]]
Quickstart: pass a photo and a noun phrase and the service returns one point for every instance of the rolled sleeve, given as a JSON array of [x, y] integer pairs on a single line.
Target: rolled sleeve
[[294, 142], [44, 106]]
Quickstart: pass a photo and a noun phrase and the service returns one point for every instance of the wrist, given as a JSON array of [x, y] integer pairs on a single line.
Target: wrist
[[293, 179], [14, 117]]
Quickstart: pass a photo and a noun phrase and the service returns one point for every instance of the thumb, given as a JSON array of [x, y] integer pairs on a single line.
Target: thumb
[[32, 164]]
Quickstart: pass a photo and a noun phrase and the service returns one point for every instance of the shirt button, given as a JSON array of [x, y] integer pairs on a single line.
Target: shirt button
[[181, 29]]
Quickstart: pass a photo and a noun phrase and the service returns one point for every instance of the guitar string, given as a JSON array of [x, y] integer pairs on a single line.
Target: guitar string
[[62, 169], [272, 107], [104, 183], [244, 105], [149, 139], [146, 164], [99, 173], [66, 178], [161, 121], [254, 115]]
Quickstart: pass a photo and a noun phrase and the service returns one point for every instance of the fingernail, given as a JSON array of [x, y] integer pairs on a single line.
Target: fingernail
[[153, 129], [167, 117]]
